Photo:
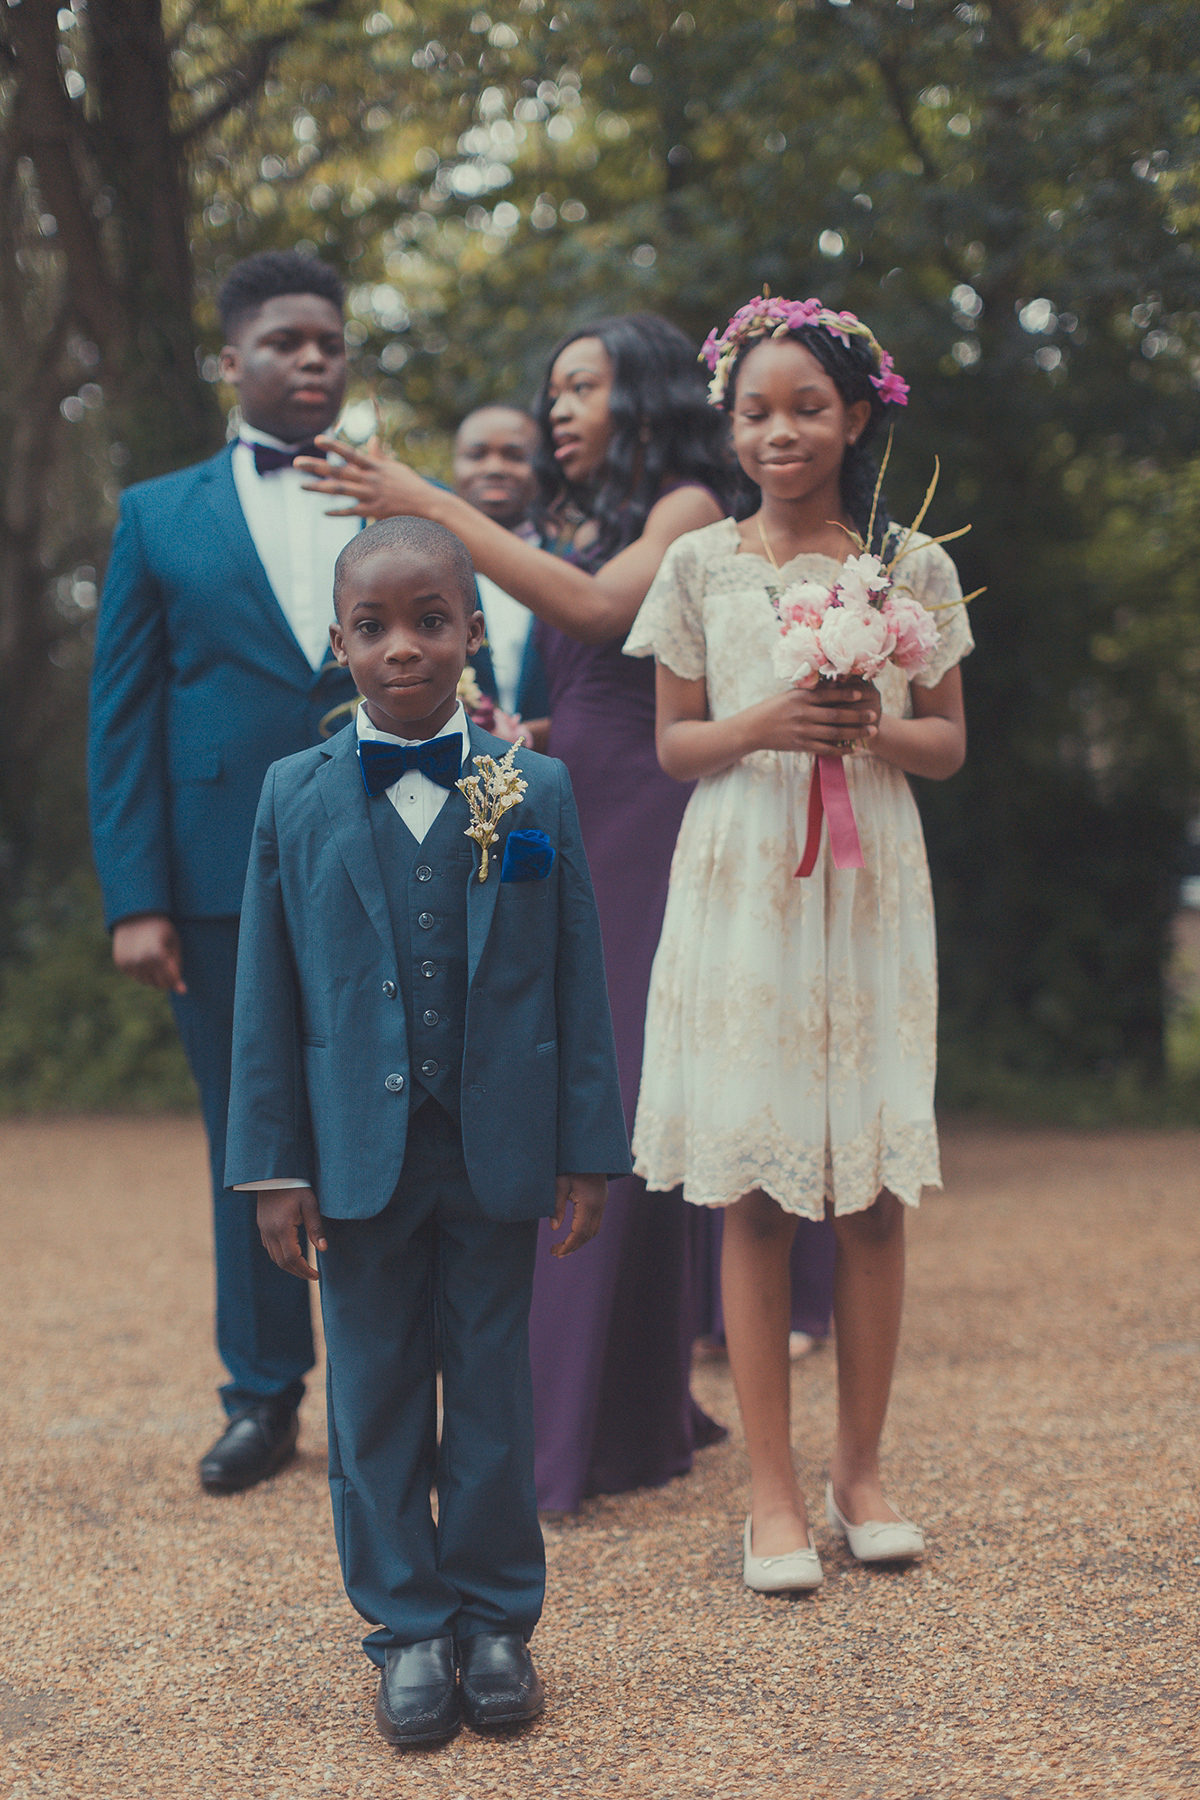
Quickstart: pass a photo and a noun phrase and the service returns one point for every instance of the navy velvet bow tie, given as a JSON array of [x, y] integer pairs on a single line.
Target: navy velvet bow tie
[[382, 764], [267, 458]]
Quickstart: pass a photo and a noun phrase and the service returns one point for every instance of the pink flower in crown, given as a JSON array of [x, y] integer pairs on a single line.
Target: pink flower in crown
[[710, 349], [893, 389], [915, 631]]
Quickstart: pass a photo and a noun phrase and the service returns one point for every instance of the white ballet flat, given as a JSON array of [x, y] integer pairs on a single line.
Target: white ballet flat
[[793, 1572], [886, 1540]]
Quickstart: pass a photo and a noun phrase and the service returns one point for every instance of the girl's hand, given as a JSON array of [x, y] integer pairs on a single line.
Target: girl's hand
[[380, 487], [826, 720]]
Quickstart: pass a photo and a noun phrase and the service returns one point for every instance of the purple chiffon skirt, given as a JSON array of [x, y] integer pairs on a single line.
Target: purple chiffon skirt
[[612, 1327]]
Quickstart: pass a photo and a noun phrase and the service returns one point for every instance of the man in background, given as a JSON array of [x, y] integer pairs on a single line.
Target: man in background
[[493, 470], [212, 661]]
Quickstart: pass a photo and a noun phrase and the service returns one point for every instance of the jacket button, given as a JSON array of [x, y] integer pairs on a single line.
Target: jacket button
[[394, 1084], [429, 1016], [424, 873], [389, 990], [426, 921], [428, 969], [429, 1067]]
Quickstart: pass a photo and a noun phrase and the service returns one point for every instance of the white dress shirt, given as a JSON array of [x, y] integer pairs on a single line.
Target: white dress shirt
[[296, 543], [508, 627], [418, 802]]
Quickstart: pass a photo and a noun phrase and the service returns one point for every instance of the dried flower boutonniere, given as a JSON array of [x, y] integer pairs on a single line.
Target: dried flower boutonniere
[[495, 790]]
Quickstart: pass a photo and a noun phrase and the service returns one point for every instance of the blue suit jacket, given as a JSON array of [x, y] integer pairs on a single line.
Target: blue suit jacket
[[319, 1024], [199, 685]]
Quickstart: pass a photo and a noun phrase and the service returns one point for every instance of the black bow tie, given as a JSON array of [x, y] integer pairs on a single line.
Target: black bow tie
[[382, 764], [267, 458]]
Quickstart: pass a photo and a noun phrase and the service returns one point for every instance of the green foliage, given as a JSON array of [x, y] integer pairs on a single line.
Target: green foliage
[[1008, 191], [74, 1035]]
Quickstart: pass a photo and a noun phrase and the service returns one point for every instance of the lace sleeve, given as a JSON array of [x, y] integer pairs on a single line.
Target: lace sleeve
[[669, 625], [934, 581]]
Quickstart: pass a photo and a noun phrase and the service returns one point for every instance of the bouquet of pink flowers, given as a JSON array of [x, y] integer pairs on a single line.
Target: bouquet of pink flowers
[[852, 628], [844, 632]]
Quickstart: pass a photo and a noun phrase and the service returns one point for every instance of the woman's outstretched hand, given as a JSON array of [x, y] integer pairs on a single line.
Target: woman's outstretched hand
[[379, 487], [826, 720]]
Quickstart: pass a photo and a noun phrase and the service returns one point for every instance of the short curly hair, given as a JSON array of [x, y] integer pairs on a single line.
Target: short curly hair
[[257, 279]]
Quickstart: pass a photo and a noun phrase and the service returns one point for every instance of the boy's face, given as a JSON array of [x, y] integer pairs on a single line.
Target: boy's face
[[288, 363], [405, 630]]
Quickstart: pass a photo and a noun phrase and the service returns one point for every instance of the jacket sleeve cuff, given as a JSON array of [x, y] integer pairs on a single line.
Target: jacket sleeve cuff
[[276, 1181]]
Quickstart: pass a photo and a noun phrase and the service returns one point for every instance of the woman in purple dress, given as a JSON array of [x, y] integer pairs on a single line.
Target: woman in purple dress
[[628, 443]]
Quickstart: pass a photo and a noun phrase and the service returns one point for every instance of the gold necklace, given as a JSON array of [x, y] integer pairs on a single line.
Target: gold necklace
[[766, 544]]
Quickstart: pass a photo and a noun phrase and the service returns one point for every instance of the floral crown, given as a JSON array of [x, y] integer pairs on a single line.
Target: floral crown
[[765, 316]]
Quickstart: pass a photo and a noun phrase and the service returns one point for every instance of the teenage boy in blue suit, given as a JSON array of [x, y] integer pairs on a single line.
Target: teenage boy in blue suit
[[423, 1067], [212, 660]]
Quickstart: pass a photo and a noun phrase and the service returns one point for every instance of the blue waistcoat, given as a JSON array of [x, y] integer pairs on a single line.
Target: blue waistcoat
[[426, 888]]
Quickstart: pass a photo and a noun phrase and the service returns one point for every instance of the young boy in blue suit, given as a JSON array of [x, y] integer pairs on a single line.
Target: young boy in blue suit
[[423, 1067]]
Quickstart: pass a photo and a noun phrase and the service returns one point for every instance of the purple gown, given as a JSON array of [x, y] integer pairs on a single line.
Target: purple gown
[[611, 1328]]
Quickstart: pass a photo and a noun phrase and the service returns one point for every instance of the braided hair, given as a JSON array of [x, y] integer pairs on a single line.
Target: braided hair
[[663, 429], [850, 368]]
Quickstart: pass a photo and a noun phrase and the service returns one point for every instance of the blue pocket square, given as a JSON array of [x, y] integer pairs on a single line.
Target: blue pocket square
[[528, 856]]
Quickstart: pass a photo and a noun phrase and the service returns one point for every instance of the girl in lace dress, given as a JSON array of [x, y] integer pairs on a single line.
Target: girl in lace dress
[[790, 1034]]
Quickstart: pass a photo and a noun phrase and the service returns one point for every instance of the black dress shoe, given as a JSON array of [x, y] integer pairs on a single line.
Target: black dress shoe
[[255, 1444], [417, 1702], [500, 1685]]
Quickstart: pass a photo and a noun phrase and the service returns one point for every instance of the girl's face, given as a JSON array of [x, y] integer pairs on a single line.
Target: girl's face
[[791, 426], [581, 425]]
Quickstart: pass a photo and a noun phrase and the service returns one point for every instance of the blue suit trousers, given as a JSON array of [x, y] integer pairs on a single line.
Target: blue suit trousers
[[264, 1320], [432, 1254]]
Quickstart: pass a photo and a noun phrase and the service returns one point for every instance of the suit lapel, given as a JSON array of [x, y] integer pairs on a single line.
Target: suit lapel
[[340, 783], [283, 651], [482, 895]]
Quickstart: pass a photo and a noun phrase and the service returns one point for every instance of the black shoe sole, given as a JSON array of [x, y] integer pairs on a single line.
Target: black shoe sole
[[428, 1742], [503, 1721], [239, 1486]]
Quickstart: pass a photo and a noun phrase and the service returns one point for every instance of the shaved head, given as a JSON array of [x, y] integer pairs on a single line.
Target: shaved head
[[416, 536]]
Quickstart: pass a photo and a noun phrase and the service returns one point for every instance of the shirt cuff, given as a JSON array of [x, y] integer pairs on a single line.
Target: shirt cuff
[[276, 1181]]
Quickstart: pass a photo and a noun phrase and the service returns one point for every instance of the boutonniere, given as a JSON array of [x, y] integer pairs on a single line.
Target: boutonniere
[[495, 790]]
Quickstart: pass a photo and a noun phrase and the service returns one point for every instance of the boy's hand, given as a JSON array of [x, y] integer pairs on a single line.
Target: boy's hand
[[281, 1212], [588, 1195]]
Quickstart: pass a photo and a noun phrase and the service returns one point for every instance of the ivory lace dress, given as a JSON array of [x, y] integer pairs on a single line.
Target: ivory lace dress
[[791, 1024]]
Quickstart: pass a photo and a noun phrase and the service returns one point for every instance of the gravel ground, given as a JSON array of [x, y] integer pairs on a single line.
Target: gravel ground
[[155, 1641]]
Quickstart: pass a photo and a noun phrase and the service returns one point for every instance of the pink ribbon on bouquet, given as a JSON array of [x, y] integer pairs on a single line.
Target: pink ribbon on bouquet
[[829, 797]]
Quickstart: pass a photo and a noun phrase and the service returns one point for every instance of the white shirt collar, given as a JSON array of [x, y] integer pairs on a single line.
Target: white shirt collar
[[250, 434], [456, 722]]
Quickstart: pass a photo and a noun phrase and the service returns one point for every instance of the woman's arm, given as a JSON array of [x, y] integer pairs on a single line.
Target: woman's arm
[[595, 609], [824, 721], [933, 742]]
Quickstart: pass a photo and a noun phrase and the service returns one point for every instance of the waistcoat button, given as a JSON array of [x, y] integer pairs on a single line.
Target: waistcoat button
[[429, 1067], [389, 990], [424, 873], [429, 1016], [394, 1084], [428, 969], [426, 921]]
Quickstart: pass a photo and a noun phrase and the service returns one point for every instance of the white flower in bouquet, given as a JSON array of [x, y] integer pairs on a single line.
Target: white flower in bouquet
[[864, 579], [797, 656], [856, 640]]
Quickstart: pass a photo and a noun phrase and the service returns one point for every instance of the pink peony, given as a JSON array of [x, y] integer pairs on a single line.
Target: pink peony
[[797, 656], [915, 630], [804, 602], [856, 640]]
